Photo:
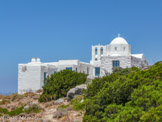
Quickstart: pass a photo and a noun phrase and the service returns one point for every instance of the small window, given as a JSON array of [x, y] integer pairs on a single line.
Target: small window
[[88, 71], [45, 75], [115, 48], [97, 71], [95, 59], [116, 63], [101, 50], [69, 68], [96, 50], [76, 70], [123, 48]]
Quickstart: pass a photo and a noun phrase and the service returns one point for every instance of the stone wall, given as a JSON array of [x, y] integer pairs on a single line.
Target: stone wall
[[138, 62]]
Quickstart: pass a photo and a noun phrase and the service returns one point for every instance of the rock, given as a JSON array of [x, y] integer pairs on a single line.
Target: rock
[[26, 107], [60, 100], [76, 91], [82, 101], [60, 114], [64, 113], [22, 115], [36, 97], [31, 105]]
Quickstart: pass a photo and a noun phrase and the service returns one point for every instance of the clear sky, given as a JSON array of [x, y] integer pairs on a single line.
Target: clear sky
[[66, 29]]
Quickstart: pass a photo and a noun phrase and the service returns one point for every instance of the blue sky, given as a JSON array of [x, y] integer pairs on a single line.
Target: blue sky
[[66, 29]]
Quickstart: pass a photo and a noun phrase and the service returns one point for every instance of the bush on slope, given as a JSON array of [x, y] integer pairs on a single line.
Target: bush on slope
[[57, 85], [126, 95]]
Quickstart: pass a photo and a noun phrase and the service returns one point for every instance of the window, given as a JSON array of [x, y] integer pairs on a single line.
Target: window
[[97, 71], [54, 72], [69, 68], [96, 50], [115, 48], [44, 75], [95, 59], [116, 63], [76, 70], [88, 71], [124, 49], [44, 78], [101, 50]]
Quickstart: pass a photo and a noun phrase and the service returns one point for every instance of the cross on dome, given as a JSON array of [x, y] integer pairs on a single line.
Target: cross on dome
[[119, 40]]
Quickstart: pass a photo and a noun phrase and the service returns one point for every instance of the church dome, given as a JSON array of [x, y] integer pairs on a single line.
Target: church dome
[[119, 40]]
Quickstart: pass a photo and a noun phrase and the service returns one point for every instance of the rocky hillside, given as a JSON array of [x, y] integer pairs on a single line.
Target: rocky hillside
[[25, 108]]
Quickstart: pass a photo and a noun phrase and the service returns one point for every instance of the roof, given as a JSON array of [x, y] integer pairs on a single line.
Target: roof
[[138, 55], [119, 40]]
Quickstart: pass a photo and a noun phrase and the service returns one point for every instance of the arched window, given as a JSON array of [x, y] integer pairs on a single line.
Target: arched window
[[96, 50], [101, 50], [115, 48]]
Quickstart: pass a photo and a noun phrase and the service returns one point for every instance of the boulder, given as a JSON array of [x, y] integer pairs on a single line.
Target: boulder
[[76, 91], [60, 114], [60, 100], [31, 105]]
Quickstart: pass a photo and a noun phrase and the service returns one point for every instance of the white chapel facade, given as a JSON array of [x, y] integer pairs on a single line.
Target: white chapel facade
[[31, 76]]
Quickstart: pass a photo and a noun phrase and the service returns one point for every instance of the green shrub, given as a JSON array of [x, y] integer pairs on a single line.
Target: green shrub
[[126, 95], [3, 110], [57, 85], [17, 111], [77, 103], [153, 115], [63, 106], [33, 108]]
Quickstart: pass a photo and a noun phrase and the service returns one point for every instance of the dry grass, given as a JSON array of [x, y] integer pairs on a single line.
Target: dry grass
[[29, 94], [3, 102], [1, 96]]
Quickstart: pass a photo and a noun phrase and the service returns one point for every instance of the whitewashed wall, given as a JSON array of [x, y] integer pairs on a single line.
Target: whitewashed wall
[[98, 56], [29, 80], [106, 63], [31, 76]]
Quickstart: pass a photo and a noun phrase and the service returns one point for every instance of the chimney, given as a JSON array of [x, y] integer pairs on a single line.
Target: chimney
[[38, 59], [33, 60]]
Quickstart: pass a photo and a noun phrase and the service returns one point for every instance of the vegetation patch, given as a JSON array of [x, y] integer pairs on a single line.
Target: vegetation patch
[[126, 95], [78, 103], [4, 101], [57, 85], [63, 106], [3, 110], [34, 108], [17, 111]]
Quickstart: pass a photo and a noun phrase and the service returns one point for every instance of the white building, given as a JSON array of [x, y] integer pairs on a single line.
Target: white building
[[31, 76]]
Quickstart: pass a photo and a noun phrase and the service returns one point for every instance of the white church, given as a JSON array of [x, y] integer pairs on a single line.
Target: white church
[[31, 76]]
